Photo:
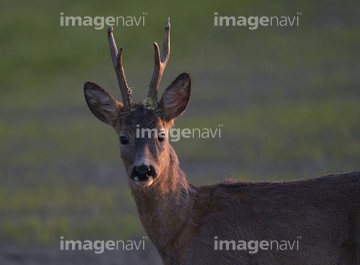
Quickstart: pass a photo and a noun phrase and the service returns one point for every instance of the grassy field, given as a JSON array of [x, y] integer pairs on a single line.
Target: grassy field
[[287, 97]]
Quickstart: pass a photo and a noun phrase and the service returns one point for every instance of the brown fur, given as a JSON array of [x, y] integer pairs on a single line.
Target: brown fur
[[182, 220]]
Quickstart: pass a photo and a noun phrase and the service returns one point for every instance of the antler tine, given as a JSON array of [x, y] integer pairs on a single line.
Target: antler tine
[[116, 59], [160, 63]]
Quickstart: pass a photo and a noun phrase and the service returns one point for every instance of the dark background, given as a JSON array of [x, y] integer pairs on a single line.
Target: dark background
[[288, 99]]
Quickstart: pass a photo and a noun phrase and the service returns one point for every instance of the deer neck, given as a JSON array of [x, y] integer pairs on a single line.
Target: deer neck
[[165, 208]]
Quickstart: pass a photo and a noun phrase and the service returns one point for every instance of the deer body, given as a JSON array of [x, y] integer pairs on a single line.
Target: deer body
[[187, 224]]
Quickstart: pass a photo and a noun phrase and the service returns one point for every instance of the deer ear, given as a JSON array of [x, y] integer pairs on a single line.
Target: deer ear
[[103, 105], [176, 97]]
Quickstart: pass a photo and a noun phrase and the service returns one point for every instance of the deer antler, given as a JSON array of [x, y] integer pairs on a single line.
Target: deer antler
[[119, 70], [160, 63]]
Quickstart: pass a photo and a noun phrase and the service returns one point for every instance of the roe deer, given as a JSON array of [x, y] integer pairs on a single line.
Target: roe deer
[[315, 221]]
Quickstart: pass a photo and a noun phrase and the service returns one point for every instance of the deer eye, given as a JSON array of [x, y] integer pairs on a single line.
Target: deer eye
[[161, 137], [124, 140]]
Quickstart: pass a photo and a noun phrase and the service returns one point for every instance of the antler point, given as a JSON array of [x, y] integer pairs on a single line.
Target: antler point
[[167, 23]]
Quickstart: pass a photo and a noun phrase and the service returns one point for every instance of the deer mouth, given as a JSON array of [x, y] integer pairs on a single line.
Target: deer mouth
[[143, 183]]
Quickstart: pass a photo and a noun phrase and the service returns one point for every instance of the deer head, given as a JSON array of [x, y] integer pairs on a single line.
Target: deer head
[[146, 156]]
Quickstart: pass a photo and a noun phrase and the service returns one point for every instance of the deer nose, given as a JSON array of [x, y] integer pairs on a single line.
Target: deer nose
[[142, 172]]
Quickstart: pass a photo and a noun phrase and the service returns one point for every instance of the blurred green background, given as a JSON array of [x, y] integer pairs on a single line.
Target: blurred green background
[[288, 99]]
